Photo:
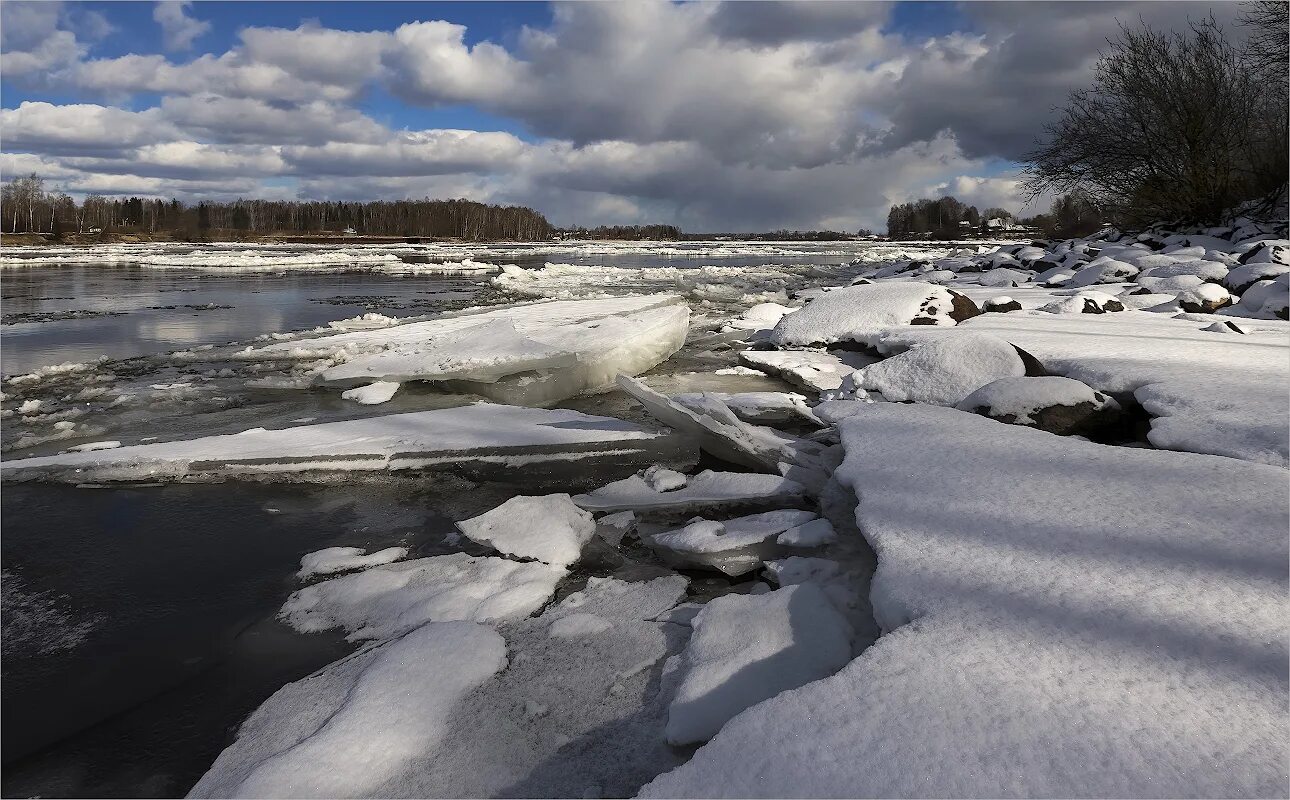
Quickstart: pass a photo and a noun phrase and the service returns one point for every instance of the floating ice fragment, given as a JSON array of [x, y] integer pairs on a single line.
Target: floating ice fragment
[[550, 529]]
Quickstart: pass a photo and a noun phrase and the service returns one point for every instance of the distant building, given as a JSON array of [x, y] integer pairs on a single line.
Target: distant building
[[349, 231]]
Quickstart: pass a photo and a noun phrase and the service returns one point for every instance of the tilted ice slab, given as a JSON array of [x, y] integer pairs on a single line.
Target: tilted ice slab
[[331, 560], [1224, 395], [473, 437], [706, 492], [1064, 619], [347, 729], [533, 354], [747, 648], [385, 601]]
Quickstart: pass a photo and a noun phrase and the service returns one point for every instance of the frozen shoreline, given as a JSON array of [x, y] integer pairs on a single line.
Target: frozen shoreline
[[1090, 365]]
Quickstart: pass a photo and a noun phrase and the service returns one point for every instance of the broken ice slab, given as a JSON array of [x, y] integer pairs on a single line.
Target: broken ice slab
[[485, 439], [755, 407], [808, 369], [707, 492], [735, 546], [533, 354]]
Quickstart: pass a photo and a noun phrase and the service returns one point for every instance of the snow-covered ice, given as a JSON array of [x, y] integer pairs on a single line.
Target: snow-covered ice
[[747, 648], [385, 601], [331, 560], [706, 492], [483, 435], [373, 393], [808, 369], [550, 528]]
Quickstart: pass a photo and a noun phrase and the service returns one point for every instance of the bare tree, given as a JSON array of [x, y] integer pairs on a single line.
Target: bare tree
[[1268, 49], [1176, 127]]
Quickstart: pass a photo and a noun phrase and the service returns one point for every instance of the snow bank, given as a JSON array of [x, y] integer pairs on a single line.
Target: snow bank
[[747, 648], [1075, 620], [483, 435], [385, 601], [550, 529]]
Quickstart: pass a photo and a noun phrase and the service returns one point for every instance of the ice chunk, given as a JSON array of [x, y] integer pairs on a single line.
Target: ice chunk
[[762, 316], [483, 435], [345, 731], [705, 492], [811, 534], [533, 354], [385, 601], [734, 546], [943, 370], [550, 529], [331, 560], [1052, 618], [613, 527], [808, 369], [89, 447], [373, 393], [797, 569], [854, 313], [662, 479], [748, 648]]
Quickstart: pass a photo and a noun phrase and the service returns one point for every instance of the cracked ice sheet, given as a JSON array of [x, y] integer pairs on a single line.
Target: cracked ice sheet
[[575, 714], [484, 433], [708, 491], [1076, 620], [1209, 393]]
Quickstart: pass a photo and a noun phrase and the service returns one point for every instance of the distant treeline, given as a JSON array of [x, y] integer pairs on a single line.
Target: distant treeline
[[946, 218], [630, 232], [25, 206]]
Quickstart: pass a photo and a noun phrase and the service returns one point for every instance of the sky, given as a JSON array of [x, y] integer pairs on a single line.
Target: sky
[[711, 116]]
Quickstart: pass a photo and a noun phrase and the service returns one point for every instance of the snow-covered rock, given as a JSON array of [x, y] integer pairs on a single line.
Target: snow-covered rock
[[854, 313], [1084, 303], [385, 601], [1054, 404], [943, 370], [747, 648], [550, 528], [1204, 299]]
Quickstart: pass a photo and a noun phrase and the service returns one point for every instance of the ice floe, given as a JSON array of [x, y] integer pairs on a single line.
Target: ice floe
[[734, 546], [331, 560], [550, 529]]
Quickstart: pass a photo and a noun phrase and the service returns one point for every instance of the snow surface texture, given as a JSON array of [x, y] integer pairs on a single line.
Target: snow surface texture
[[385, 601], [483, 433], [1075, 620], [533, 354], [747, 648], [331, 560], [1224, 395], [346, 730], [855, 312], [550, 529]]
